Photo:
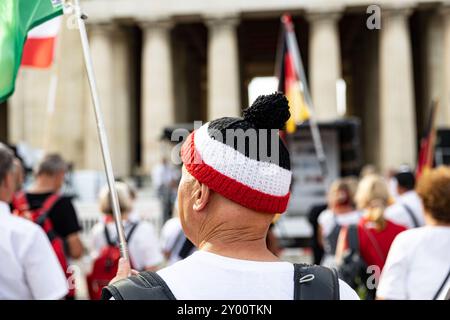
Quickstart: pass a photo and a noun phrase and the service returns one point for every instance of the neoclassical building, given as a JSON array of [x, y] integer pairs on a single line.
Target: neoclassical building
[[159, 62]]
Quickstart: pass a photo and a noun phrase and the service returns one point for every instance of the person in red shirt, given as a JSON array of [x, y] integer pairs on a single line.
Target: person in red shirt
[[375, 232], [375, 242]]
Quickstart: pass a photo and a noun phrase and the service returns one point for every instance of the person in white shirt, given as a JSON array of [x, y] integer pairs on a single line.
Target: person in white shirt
[[29, 268], [227, 198], [341, 212], [143, 243], [418, 263], [174, 244], [407, 209], [165, 178]]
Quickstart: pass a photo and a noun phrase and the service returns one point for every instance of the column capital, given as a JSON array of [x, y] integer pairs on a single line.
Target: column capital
[[222, 20], [162, 24], [103, 27], [329, 13], [397, 11]]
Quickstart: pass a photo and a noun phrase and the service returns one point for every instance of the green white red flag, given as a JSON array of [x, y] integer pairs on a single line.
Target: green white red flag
[[17, 18]]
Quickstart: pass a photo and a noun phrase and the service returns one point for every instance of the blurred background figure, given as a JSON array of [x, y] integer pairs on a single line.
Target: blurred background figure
[[143, 244], [341, 212], [373, 232], [418, 264], [165, 182], [19, 172], [141, 238], [407, 209], [175, 245], [316, 245], [272, 240], [45, 205], [29, 268]]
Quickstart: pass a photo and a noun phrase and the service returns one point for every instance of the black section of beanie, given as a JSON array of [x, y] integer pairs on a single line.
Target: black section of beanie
[[256, 134]]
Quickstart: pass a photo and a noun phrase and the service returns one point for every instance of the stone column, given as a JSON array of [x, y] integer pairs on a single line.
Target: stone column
[[443, 118], [432, 66], [120, 135], [397, 108], [223, 68], [109, 57], [157, 88], [324, 63]]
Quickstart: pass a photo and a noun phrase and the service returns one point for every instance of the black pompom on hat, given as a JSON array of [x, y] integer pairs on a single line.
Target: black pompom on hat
[[268, 112]]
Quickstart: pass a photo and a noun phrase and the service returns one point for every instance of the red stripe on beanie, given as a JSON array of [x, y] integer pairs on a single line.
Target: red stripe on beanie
[[229, 187]]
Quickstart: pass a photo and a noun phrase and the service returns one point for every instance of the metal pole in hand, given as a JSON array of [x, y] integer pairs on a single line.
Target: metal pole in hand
[[101, 130]]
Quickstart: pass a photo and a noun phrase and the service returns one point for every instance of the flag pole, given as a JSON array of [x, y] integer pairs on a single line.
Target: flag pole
[[101, 129], [298, 65]]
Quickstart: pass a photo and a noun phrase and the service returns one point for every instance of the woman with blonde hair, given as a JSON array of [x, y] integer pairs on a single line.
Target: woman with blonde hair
[[374, 233]]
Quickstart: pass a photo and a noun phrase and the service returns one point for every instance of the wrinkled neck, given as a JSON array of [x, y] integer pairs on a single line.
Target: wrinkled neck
[[239, 242]]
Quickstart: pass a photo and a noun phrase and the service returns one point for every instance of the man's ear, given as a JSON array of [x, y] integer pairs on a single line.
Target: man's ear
[[201, 196]]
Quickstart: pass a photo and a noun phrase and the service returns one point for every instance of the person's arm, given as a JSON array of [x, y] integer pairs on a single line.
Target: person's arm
[[65, 222], [75, 246], [320, 236], [43, 271], [341, 245], [323, 220]]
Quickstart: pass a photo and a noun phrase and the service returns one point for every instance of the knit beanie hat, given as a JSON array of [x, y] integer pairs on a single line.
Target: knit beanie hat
[[244, 159]]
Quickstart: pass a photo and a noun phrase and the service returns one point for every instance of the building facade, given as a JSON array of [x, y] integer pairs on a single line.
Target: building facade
[[164, 62]]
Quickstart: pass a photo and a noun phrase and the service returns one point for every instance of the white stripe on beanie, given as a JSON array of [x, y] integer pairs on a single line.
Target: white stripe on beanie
[[262, 176]]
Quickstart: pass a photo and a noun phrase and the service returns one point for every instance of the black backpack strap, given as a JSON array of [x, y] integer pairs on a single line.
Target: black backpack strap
[[312, 282], [115, 243], [144, 286], [411, 215], [108, 237], [441, 288], [130, 233], [352, 238]]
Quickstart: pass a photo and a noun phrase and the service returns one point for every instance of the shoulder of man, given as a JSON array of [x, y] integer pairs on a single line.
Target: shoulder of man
[[27, 234]]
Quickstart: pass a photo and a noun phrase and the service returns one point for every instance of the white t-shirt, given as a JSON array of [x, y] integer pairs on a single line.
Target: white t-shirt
[[398, 214], [172, 239], [143, 246], [29, 268], [164, 175], [417, 264], [207, 276], [327, 220]]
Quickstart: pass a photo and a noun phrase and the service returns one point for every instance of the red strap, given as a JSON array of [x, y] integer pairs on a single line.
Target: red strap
[[20, 202], [48, 203]]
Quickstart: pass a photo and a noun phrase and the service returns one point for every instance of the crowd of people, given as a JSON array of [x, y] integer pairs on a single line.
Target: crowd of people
[[398, 236], [387, 237]]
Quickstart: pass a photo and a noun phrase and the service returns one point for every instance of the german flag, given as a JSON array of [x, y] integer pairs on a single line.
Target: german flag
[[292, 82], [426, 153]]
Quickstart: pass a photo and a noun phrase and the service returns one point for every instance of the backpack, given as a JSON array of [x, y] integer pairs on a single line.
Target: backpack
[[105, 265], [41, 217], [311, 282], [353, 268], [331, 240]]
